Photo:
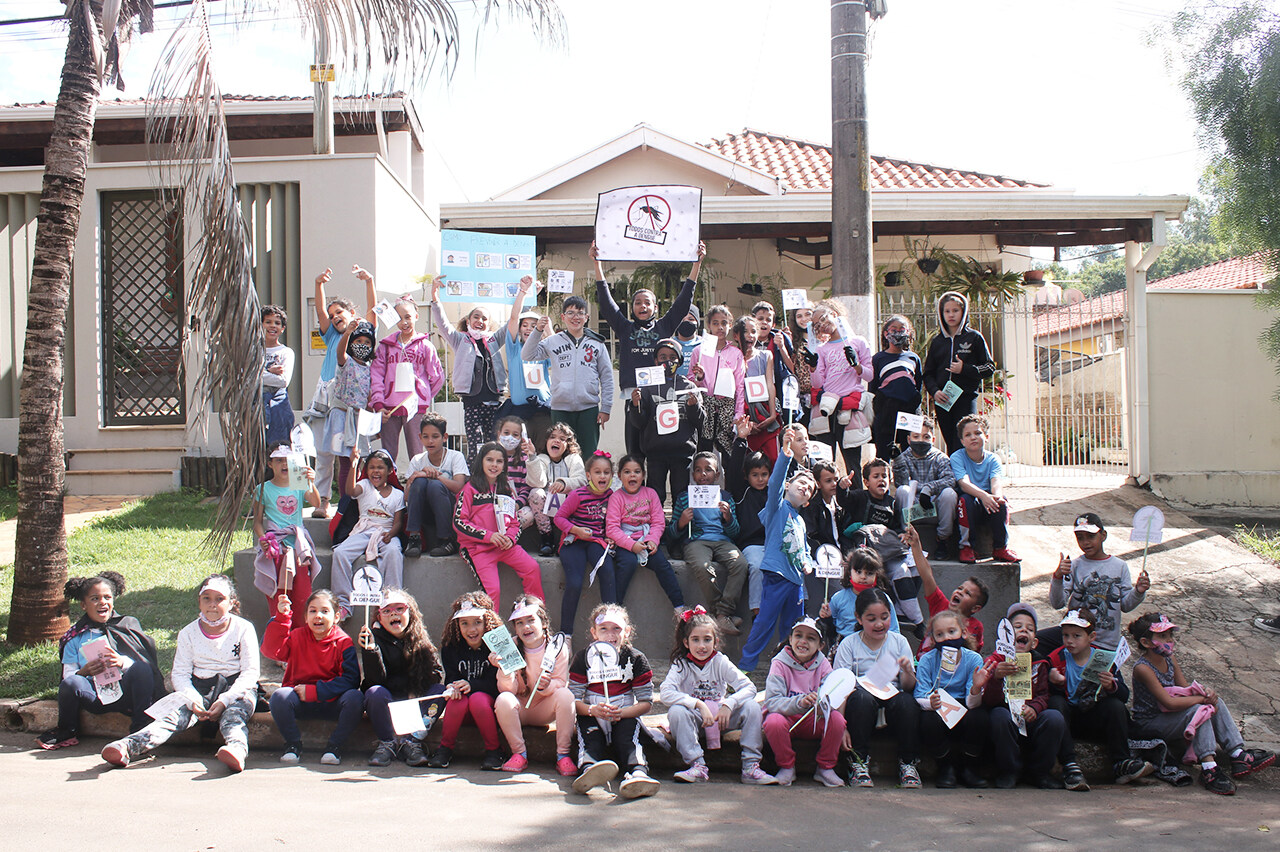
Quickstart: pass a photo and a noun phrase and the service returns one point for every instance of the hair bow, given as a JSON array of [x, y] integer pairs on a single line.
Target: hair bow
[[690, 613], [602, 454]]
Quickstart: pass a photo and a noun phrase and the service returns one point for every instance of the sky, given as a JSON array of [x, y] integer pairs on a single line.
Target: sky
[[1067, 92]]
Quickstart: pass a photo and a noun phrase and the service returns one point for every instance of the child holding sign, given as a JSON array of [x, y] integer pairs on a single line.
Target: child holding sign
[[634, 522], [897, 376], [790, 695], [108, 664], [704, 523], [405, 378], [487, 525], [669, 416], [925, 480], [585, 547], [471, 676], [720, 370], [376, 536], [956, 723], [530, 397], [1168, 707], [612, 686], [704, 691], [284, 558], [556, 470], [539, 692], [581, 374], [839, 389], [957, 363], [761, 395], [479, 373]]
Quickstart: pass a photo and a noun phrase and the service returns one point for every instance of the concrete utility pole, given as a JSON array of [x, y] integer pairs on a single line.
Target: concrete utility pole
[[851, 269], [321, 75]]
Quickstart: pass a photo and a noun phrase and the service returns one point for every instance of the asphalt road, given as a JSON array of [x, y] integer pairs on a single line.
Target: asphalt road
[[185, 800]]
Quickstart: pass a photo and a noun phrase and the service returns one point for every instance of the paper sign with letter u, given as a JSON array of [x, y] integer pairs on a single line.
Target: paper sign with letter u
[[534, 375], [757, 388], [668, 416]]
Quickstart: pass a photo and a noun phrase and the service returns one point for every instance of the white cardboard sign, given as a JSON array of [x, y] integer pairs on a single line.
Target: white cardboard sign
[[535, 376], [1148, 525], [704, 496], [559, 281], [726, 385], [818, 451], [668, 416], [366, 587], [649, 223], [950, 710], [368, 423], [406, 382], [647, 377], [757, 388], [794, 300], [386, 314], [828, 562], [909, 422]]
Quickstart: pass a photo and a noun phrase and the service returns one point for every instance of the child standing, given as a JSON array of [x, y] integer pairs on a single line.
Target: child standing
[[839, 389], [399, 662], [634, 522], [980, 481], [923, 475], [897, 378], [216, 670], [485, 519], [704, 690], [471, 672], [860, 652], [581, 372], [350, 394], [609, 709], [1096, 582], [409, 357], [281, 537], [558, 470], [707, 537], [532, 403], [951, 666], [791, 689], [689, 339], [377, 532], [277, 372], [584, 548], [1168, 707], [762, 415], [321, 675], [721, 376], [668, 452], [479, 373], [956, 354], [538, 693], [436, 477], [747, 475]]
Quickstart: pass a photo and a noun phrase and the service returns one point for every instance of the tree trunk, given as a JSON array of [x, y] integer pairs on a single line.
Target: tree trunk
[[38, 611]]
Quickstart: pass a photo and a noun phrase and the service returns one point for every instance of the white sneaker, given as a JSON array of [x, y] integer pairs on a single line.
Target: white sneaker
[[827, 778], [694, 774], [637, 785], [753, 774], [116, 753], [595, 775], [233, 756], [330, 758], [785, 776]]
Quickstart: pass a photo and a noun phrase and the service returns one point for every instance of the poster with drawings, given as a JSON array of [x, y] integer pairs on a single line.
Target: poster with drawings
[[484, 267], [649, 223]]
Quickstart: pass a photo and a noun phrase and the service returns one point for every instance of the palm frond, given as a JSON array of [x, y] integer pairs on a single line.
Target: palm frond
[[187, 128]]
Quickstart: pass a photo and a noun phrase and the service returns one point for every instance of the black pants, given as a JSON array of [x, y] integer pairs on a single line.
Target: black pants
[[1040, 745], [631, 432], [883, 431], [621, 744], [660, 467], [968, 736], [902, 714], [947, 420], [1107, 721]]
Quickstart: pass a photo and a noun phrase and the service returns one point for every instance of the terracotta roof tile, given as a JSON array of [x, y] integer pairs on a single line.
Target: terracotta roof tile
[[1107, 307], [1250, 272], [801, 166]]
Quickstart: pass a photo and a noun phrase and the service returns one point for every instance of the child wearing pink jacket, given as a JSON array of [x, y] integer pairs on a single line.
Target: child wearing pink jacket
[[720, 411], [634, 522], [403, 410], [839, 383]]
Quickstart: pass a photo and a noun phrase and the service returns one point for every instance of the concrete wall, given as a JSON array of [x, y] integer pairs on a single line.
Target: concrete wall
[[1215, 429]]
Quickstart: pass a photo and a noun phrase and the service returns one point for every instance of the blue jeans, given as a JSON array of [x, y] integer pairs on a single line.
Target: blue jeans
[[578, 558], [430, 505], [626, 563], [287, 708], [781, 606], [76, 693], [754, 554]]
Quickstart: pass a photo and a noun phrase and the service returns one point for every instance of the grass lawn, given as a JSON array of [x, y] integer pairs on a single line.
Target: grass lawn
[[157, 544], [1259, 540], [8, 503]]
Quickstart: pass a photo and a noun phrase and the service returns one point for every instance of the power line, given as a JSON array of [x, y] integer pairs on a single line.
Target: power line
[[55, 18]]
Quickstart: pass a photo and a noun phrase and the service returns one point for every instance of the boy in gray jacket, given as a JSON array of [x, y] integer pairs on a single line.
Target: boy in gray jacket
[[581, 374]]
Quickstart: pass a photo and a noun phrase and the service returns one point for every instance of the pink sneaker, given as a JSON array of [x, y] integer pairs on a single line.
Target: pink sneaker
[[694, 774], [516, 763], [116, 753], [566, 767]]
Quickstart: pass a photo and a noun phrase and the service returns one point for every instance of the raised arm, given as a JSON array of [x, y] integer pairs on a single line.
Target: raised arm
[[370, 292], [322, 313], [513, 322]]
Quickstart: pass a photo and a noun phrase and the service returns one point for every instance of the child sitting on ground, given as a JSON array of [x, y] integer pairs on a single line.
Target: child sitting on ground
[[951, 666], [924, 477], [791, 689], [1096, 582], [707, 538], [980, 481], [471, 675], [538, 693], [436, 476]]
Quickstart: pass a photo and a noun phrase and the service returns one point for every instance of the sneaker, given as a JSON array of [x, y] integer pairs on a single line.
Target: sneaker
[[595, 775], [1131, 769], [441, 759], [566, 767], [1216, 781], [515, 763], [908, 776], [1004, 554], [449, 548], [383, 753], [753, 774], [1006, 780], [785, 776], [492, 760], [973, 780], [861, 774], [413, 549], [292, 753], [116, 753], [1073, 778], [56, 739], [694, 774], [1251, 760], [942, 550], [546, 550], [331, 758], [727, 626], [412, 754], [1271, 625], [967, 556], [233, 756], [827, 777], [1047, 782], [637, 784], [946, 778]]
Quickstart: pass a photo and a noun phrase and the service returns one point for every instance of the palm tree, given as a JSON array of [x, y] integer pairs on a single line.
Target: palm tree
[[394, 41]]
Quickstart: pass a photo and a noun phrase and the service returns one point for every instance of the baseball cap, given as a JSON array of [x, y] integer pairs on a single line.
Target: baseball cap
[[1081, 618], [809, 623], [1089, 522], [1025, 609], [1163, 624]]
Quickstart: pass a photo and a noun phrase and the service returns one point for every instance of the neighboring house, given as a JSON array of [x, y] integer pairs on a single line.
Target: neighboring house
[[126, 404]]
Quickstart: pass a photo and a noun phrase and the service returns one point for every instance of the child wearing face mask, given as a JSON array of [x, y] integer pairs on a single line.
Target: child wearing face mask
[[511, 434], [350, 394], [687, 335], [668, 452], [924, 476], [897, 376]]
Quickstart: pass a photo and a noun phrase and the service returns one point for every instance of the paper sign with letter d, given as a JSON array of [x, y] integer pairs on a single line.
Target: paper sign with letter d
[[757, 388]]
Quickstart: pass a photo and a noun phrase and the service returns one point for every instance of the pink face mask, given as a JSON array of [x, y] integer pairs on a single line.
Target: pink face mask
[[1164, 649]]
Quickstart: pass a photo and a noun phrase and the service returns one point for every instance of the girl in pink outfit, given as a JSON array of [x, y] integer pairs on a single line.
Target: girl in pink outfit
[[485, 520], [539, 693], [790, 691], [839, 384], [722, 409], [403, 410], [634, 522]]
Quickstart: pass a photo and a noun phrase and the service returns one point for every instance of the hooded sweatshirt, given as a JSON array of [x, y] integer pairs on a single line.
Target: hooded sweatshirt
[[683, 442], [427, 372], [966, 344], [637, 340], [581, 375], [465, 352], [688, 682], [475, 517], [790, 680], [327, 667]]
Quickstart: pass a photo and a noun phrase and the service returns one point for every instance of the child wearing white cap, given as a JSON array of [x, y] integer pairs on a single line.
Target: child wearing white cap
[[790, 692], [538, 693], [471, 678]]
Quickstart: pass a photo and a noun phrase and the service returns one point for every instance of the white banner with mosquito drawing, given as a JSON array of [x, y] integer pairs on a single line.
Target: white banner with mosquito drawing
[[649, 223]]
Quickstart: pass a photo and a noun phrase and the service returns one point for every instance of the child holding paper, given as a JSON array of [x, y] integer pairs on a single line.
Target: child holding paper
[[284, 558], [581, 374], [862, 570], [405, 378], [634, 522], [436, 477], [839, 389], [479, 373], [399, 662], [538, 693], [217, 682], [1168, 707], [471, 675], [277, 372], [980, 483], [951, 667], [350, 396], [707, 538], [897, 376], [611, 691], [881, 659], [924, 477], [510, 432], [487, 526], [556, 470], [584, 546], [531, 402], [85, 661], [720, 370], [703, 690], [761, 410], [376, 536], [790, 692], [668, 441], [957, 356]]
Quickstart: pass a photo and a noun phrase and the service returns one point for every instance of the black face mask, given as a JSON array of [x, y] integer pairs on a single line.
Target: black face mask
[[952, 643], [361, 350], [920, 448], [687, 328], [670, 368]]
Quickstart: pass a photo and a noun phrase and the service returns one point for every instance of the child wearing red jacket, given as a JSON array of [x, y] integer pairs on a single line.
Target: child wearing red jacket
[[321, 675], [487, 526]]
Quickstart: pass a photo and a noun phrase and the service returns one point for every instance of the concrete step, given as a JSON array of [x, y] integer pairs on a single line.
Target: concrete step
[[128, 481], [126, 458]]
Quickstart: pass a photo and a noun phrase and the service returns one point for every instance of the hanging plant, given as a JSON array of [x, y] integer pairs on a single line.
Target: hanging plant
[[981, 283]]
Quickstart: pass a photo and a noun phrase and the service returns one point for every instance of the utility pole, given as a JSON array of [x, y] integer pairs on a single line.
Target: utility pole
[[322, 77], [851, 269]]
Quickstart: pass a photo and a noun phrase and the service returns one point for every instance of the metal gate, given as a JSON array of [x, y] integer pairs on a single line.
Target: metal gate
[[142, 309], [1057, 403]]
